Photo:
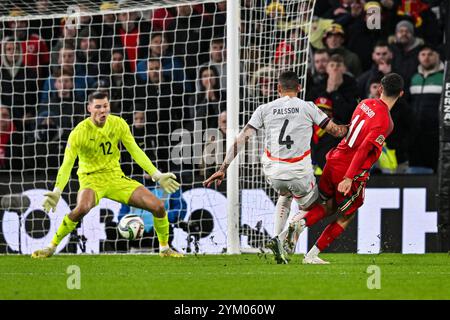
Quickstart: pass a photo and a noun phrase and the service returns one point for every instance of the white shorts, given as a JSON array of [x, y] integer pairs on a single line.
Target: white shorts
[[303, 189]]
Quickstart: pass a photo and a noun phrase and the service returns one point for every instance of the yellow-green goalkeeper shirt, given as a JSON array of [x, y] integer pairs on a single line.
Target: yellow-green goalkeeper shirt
[[97, 149]]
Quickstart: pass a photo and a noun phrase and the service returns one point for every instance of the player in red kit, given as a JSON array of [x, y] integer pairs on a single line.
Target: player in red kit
[[347, 168]]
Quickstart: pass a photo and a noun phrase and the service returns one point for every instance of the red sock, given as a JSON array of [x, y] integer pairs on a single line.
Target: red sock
[[331, 232], [314, 215]]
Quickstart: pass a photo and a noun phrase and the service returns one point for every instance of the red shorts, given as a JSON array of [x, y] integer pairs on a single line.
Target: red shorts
[[331, 177]]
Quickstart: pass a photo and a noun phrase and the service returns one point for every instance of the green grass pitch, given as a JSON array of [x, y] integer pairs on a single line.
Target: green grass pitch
[[246, 276]]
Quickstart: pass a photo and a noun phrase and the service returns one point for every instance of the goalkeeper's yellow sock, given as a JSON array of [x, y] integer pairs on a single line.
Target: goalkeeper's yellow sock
[[66, 227], [161, 226]]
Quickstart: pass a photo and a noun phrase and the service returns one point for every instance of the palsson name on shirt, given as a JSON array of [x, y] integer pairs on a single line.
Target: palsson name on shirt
[[285, 110]]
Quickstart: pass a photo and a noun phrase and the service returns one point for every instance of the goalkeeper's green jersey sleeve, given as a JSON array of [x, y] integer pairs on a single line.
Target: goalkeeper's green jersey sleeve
[[97, 149]]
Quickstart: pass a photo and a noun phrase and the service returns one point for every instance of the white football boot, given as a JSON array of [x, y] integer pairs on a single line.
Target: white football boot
[[294, 230], [313, 260], [280, 255]]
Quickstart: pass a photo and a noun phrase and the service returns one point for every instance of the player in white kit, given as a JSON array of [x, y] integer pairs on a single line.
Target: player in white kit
[[288, 126]]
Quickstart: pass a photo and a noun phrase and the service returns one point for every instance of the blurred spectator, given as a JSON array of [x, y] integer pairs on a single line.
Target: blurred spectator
[[361, 39], [209, 101], [132, 36], [107, 27], [324, 8], [161, 19], [374, 86], [18, 84], [176, 208], [190, 34], [263, 85], [6, 130], [47, 28], [422, 17], [66, 58], [163, 102], [145, 141], [219, 19], [334, 42], [297, 38], [290, 51], [63, 109], [215, 147], [394, 157], [54, 122], [406, 47], [318, 28], [284, 55], [321, 141], [217, 59], [319, 70], [251, 56], [388, 16], [88, 58], [276, 19], [34, 49], [85, 20], [382, 58], [223, 124], [426, 89], [67, 39], [43, 146], [340, 87], [172, 67], [340, 12], [252, 27], [122, 85], [282, 16], [274, 25]]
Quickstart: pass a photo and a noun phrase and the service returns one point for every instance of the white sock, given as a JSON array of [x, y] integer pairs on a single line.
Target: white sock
[[282, 235], [282, 209], [163, 248], [314, 252]]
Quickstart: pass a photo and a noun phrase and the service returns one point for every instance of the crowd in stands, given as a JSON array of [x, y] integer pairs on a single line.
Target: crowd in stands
[[165, 69], [350, 58]]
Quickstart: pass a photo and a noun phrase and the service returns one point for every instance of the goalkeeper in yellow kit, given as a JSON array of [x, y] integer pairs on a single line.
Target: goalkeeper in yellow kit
[[95, 142]]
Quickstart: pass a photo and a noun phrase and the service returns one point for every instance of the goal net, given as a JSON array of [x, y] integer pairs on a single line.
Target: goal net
[[164, 66]]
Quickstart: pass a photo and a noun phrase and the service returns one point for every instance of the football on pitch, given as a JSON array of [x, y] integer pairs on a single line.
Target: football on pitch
[[131, 227]]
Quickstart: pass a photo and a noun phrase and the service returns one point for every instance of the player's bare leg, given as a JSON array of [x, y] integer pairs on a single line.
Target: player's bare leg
[[331, 232], [85, 202], [142, 198]]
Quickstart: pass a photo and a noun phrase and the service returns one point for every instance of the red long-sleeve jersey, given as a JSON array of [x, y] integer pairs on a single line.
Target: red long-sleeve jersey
[[360, 149]]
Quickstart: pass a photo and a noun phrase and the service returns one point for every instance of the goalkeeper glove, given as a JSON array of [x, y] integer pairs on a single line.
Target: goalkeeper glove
[[51, 200], [167, 181]]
